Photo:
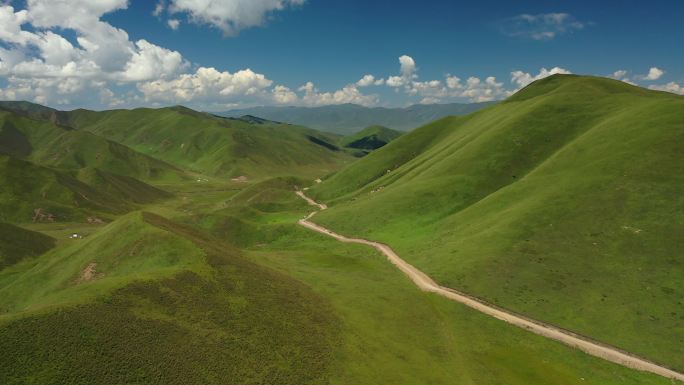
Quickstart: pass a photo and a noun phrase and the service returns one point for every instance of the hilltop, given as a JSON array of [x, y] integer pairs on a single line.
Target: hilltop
[[370, 138], [561, 203]]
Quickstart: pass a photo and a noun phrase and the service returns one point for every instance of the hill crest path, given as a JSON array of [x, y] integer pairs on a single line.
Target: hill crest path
[[427, 284]]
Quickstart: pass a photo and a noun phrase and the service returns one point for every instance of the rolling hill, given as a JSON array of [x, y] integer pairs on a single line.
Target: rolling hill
[[187, 249], [216, 146], [561, 203], [370, 138], [32, 193], [17, 243], [346, 119], [58, 173], [195, 310]]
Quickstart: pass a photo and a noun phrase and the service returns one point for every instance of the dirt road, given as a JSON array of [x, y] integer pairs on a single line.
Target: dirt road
[[425, 283]]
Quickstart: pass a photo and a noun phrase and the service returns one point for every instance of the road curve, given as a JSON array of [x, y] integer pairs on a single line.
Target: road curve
[[425, 283]]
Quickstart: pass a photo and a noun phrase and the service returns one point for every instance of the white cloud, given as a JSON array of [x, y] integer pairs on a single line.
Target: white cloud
[[61, 52], [173, 24], [10, 26], [478, 91], [103, 52], [654, 73], [207, 85], [521, 79], [407, 72], [159, 8], [367, 80], [669, 87], [622, 75], [544, 26], [395, 81], [151, 62], [449, 89], [619, 74], [408, 66], [40, 58], [231, 16], [283, 95], [348, 94]]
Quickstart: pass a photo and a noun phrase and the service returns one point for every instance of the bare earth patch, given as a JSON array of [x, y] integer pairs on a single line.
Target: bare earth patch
[[89, 273]]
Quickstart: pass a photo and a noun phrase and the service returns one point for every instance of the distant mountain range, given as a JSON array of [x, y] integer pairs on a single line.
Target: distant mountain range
[[350, 118]]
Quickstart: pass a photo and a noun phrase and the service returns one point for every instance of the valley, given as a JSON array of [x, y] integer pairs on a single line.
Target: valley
[[166, 245]]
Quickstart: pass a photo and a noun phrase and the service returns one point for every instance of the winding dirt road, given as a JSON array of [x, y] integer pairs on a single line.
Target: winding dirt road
[[425, 283]]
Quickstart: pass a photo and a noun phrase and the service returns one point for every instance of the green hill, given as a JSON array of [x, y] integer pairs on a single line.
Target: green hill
[[17, 243], [217, 146], [36, 111], [210, 280], [34, 193], [563, 203], [193, 309], [47, 144], [370, 138]]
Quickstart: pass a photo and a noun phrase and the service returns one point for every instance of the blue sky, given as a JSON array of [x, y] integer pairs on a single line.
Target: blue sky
[[220, 54]]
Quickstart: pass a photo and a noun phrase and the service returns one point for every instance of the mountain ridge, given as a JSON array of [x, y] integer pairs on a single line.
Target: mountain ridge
[[349, 118], [564, 193]]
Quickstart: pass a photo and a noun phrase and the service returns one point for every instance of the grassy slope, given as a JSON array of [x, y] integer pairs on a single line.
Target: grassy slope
[[209, 316], [196, 311], [390, 332], [72, 172], [216, 146], [17, 243], [25, 187], [193, 308], [394, 334], [63, 148], [561, 203], [370, 138]]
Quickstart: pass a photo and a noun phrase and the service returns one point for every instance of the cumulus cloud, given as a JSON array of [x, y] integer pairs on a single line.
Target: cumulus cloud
[[230, 16], [348, 94], [283, 95], [38, 57], [206, 85], [407, 72], [521, 79], [544, 26], [654, 73], [669, 87], [61, 52], [622, 75], [369, 80], [479, 91], [449, 89], [619, 74]]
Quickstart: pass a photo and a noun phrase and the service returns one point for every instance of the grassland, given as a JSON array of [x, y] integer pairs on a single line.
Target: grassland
[[370, 138], [211, 281], [389, 331], [17, 243], [561, 203], [217, 146], [166, 304], [66, 149]]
